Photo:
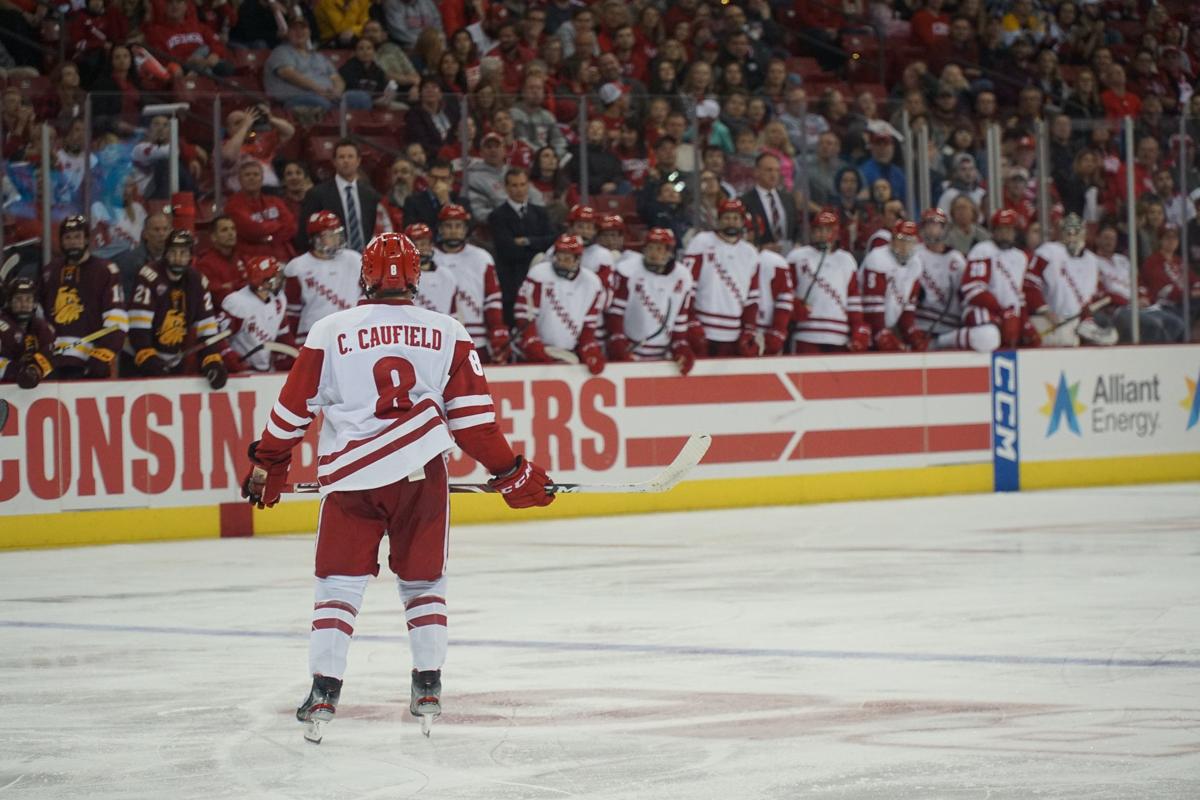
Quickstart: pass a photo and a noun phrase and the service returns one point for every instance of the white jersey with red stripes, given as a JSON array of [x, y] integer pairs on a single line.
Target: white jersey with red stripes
[[890, 287], [826, 281], [478, 288], [775, 291], [648, 303], [321, 287], [1114, 276], [1067, 282], [565, 310], [940, 308], [437, 290], [727, 290], [1006, 271], [397, 384], [258, 322]]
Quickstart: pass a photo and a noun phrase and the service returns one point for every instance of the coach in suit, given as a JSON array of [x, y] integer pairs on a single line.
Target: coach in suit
[[520, 230], [354, 201], [772, 209]]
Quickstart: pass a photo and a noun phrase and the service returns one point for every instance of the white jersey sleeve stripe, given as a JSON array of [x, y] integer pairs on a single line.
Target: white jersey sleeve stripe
[[469, 400], [459, 423], [287, 416]]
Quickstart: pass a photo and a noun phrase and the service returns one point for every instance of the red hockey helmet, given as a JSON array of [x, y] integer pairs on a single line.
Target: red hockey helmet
[[825, 219], [1004, 217], [581, 213], [905, 227], [661, 236], [731, 205], [261, 270], [321, 222], [567, 243], [453, 211], [612, 222], [934, 214], [390, 263], [418, 230]]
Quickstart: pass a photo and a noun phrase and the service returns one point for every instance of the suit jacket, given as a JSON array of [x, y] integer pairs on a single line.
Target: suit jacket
[[324, 197], [422, 206], [512, 259], [760, 218]]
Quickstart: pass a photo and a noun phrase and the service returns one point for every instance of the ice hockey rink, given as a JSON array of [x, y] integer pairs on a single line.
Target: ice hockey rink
[[994, 646]]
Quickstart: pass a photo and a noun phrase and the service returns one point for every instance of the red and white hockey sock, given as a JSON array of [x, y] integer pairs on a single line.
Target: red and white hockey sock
[[425, 609], [338, 600]]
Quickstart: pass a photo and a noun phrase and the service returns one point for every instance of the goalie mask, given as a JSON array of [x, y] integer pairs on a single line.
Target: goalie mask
[[658, 255], [1073, 235], [568, 252], [73, 238], [177, 255]]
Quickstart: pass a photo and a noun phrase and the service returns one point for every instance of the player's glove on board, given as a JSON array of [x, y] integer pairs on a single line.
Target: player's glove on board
[[886, 341], [498, 345], [918, 340], [773, 342], [264, 482], [1029, 335], [860, 340], [523, 486], [681, 353], [1010, 327], [593, 356], [747, 344], [620, 348]]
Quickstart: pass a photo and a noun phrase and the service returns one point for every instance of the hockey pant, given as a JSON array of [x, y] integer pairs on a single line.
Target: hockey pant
[[980, 338]]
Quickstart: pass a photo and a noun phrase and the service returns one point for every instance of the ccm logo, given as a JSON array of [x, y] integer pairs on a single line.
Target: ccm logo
[[1005, 451]]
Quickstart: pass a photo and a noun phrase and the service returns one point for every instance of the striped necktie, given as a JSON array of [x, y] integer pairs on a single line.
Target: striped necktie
[[354, 234]]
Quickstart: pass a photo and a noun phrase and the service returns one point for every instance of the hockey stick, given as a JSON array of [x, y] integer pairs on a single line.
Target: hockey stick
[[1089, 309], [272, 347], [665, 322], [9, 263], [3, 413], [691, 454], [198, 346], [91, 337]]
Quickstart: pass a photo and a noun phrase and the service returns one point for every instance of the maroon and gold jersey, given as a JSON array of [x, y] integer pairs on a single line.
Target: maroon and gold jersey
[[163, 311], [21, 342], [82, 299]]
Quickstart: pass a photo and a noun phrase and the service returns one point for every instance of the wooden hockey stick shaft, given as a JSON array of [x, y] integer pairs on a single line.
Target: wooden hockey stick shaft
[[1089, 309], [689, 456], [91, 337]]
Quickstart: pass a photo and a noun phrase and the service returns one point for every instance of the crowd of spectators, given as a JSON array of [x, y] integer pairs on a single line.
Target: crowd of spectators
[[656, 110]]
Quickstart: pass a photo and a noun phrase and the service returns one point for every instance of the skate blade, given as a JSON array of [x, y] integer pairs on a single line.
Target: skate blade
[[313, 732], [426, 724]]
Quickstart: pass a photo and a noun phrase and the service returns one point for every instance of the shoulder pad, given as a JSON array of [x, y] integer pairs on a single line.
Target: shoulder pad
[[148, 272], [4, 325]]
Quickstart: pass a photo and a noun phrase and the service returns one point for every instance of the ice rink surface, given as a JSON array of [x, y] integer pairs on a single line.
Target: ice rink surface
[[997, 646]]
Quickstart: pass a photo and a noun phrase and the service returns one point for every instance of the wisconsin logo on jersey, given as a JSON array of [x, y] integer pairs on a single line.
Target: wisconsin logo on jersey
[[67, 305], [1191, 403], [1062, 404]]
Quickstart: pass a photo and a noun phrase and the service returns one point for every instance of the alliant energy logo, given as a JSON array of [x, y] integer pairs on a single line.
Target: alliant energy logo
[[1119, 404], [1191, 403]]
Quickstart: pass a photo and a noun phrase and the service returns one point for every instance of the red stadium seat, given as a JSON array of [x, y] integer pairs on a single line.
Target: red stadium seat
[[33, 87], [622, 204], [376, 122]]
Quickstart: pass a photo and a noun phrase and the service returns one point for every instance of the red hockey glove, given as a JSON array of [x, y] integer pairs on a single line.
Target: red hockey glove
[[264, 482], [593, 356], [524, 485], [233, 362], [918, 340], [620, 348], [773, 342], [281, 362], [1029, 335], [800, 312], [534, 352], [498, 345], [886, 341], [681, 353], [1010, 327], [860, 340], [696, 339], [747, 344]]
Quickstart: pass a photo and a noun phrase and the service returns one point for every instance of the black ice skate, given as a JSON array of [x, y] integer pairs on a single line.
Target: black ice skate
[[319, 707], [426, 704]]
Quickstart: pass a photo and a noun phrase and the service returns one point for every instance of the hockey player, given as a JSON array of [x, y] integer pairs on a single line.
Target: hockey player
[[477, 302], [169, 299], [891, 283], [1004, 264], [26, 339], [323, 280], [725, 268], [438, 286], [257, 313], [612, 236], [952, 321], [827, 310], [1063, 279], [651, 305], [399, 386], [775, 301], [583, 223], [559, 306], [82, 296]]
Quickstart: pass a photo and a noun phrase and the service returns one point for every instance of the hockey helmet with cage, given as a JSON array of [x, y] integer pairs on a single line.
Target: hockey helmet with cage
[[453, 213], [581, 213], [264, 272], [934, 214], [1074, 236], [418, 230], [567, 245], [904, 239], [612, 222], [326, 234], [826, 220], [666, 238], [905, 228], [930, 217], [21, 298], [422, 237], [72, 224], [1005, 219], [732, 205], [391, 264]]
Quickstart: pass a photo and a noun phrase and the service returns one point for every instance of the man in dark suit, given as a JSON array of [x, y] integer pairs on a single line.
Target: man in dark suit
[[772, 210], [423, 206], [354, 201], [520, 230]]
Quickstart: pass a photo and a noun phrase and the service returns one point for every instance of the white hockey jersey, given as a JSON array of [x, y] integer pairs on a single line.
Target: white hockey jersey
[[890, 288], [321, 286], [727, 290], [646, 303], [398, 385], [1064, 282], [564, 311], [1006, 271], [940, 308], [827, 283], [437, 290], [477, 302], [258, 322], [1114, 276], [776, 291]]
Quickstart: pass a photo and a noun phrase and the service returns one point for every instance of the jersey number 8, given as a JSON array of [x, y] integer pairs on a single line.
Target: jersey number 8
[[394, 379]]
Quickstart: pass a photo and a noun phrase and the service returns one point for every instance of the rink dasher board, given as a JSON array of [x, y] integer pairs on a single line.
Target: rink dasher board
[[161, 458]]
